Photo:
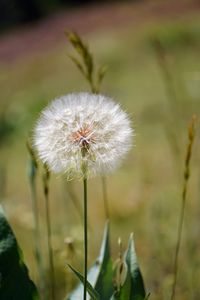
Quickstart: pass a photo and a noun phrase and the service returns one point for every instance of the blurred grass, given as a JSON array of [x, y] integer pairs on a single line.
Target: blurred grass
[[145, 193]]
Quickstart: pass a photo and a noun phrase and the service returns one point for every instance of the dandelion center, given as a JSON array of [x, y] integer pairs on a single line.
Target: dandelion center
[[83, 137]]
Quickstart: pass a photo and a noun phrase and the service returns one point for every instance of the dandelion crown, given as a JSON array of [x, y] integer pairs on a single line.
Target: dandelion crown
[[82, 129]]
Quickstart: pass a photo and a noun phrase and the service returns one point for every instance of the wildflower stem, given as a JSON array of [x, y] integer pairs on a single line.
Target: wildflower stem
[[191, 135], [105, 198], [85, 238], [49, 234]]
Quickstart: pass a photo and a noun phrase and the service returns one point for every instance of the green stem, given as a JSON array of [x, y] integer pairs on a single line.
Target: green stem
[[49, 235], [105, 198], [32, 175], [85, 239], [191, 135], [37, 236], [180, 226]]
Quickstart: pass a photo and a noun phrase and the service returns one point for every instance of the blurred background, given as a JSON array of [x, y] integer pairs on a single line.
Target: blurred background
[[152, 51]]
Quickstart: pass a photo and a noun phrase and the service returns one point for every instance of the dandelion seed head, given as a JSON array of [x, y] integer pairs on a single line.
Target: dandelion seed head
[[79, 129]]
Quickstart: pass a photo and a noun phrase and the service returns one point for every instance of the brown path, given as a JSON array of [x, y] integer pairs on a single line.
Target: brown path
[[19, 42]]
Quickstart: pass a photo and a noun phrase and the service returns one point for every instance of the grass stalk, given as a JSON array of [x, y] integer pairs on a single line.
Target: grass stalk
[[32, 174], [85, 238], [46, 177], [191, 136]]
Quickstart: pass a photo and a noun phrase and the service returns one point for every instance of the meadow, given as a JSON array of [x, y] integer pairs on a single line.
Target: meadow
[[144, 195]]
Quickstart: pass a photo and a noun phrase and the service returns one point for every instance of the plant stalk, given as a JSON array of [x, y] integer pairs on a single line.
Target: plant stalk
[[85, 239], [37, 251], [191, 135], [32, 174], [49, 233]]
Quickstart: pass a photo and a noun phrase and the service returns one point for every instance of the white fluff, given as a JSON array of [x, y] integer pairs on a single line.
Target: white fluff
[[79, 128]]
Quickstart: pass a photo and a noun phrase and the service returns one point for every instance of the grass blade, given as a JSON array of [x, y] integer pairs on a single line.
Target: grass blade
[[90, 289]]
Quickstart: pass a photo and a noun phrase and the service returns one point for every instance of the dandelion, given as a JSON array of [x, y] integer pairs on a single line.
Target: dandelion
[[80, 129], [82, 135]]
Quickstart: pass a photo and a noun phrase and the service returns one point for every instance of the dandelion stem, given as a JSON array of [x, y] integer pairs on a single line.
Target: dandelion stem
[[85, 238], [49, 234], [191, 135], [105, 198]]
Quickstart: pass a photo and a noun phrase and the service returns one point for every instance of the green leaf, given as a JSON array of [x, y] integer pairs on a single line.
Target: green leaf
[[137, 283], [100, 274], [90, 289], [15, 283], [103, 268]]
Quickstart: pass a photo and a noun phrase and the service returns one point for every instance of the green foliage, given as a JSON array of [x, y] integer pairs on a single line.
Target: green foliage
[[103, 268], [100, 274], [137, 284], [15, 283], [129, 281], [92, 292], [124, 283]]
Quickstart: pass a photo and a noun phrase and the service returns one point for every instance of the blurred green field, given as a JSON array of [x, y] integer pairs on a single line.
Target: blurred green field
[[145, 193]]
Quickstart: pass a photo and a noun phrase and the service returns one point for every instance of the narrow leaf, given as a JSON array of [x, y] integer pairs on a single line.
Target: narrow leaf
[[100, 274], [90, 289], [137, 284], [15, 283], [103, 268]]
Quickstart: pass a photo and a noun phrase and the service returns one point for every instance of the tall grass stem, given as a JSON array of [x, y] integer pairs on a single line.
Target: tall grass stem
[[191, 136], [49, 233], [37, 251], [32, 174]]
